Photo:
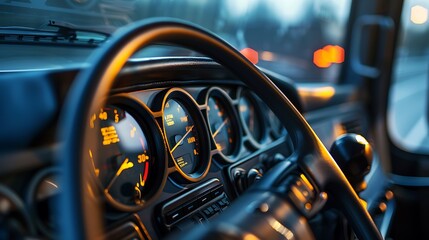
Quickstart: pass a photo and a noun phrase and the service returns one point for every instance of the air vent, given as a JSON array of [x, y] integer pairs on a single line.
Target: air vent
[[353, 125]]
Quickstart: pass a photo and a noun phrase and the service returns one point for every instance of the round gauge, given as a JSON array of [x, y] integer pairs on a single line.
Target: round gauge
[[251, 116], [187, 139], [124, 159], [222, 122], [123, 164]]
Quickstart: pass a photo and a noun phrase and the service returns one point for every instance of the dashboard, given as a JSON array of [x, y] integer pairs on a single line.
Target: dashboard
[[176, 142], [166, 150], [153, 147], [209, 132]]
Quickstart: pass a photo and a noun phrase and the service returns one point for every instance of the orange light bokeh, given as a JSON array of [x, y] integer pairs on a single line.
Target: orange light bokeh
[[321, 58], [329, 54], [250, 54]]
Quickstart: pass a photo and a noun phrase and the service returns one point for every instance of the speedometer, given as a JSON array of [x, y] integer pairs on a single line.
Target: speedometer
[[186, 135]]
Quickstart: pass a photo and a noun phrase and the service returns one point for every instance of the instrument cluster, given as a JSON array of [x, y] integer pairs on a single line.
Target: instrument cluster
[[142, 138]]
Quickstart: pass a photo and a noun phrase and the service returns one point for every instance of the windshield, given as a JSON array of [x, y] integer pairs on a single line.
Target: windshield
[[300, 39]]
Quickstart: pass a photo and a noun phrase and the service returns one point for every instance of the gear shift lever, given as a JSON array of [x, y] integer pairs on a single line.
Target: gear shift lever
[[353, 154]]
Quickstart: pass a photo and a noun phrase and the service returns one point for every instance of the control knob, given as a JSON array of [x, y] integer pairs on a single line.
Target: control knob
[[353, 154]]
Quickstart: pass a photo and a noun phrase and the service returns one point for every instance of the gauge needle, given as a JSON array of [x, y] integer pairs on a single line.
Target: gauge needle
[[141, 181], [181, 140], [124, 166], [96, 170], [220, 128]]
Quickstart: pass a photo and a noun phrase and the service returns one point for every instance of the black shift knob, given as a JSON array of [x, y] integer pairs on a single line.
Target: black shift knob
[[353, 154]]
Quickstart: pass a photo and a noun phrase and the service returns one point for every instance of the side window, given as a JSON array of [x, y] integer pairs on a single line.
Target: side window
[[408, 110]]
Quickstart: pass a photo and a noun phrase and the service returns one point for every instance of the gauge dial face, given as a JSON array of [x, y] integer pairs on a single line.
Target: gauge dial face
[[182, 136], [220, 122], [249, 114], [123, 161]]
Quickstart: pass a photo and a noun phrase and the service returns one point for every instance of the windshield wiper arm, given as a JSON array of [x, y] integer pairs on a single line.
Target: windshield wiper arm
[[66, 34], [71, 29]]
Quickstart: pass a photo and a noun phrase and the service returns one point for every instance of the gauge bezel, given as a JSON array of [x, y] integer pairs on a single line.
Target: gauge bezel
[[256, 143], [227, 102], [146, 121], [188, 102]]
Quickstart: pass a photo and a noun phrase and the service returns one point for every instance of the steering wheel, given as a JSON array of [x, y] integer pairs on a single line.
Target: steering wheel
[[317, 168]]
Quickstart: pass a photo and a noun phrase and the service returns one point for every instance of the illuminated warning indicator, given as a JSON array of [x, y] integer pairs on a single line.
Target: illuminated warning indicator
[[109, 135]]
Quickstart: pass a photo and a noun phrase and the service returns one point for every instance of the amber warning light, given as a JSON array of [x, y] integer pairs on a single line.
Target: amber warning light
[[329, 54]]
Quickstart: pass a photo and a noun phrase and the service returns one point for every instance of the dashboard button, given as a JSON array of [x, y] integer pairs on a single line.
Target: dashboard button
[[215, 207]]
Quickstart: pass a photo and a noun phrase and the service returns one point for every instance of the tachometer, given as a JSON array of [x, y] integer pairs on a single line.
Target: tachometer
[[187, 138], [124, 159], [222, 122]]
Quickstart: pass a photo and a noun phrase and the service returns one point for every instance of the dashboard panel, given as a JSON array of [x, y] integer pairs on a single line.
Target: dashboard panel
[[206, 130], [166, 151], [176, 142]]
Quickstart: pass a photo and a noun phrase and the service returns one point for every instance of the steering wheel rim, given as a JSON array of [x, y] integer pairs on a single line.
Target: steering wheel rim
[[93, 84]]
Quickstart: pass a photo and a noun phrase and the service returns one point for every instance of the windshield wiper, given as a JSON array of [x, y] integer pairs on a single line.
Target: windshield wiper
[[65, 34]]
